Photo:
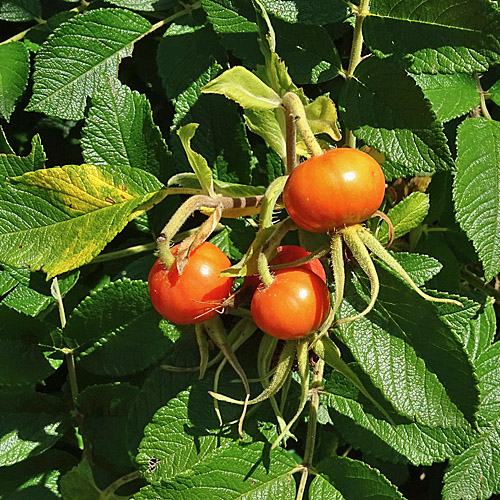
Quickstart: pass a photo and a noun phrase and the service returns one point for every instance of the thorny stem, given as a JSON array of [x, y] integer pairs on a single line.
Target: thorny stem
[[110, 490], [484, 109], [355, 58], [293, 106]]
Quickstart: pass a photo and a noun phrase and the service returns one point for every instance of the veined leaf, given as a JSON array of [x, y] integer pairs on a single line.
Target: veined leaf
[[69, 64], [120, 131], [406, 215], [439, 88], [322, 117], [351, 480], [20, 10], [232, 472], [58, 219], [11, 165], [387, 110], [302, 11], [476, 189], [244, 87], [440, 386], [438, 36], [14, 72], [144, 5], [197, 162]]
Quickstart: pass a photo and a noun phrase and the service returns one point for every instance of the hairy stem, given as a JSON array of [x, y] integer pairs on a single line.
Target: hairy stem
[[355, 57], [484, 108], [294, 107], [317, 382]]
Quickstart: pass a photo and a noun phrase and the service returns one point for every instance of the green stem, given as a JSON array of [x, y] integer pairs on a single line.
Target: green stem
[[484, 108], [291, 141], [110, 490], [312, 424], [479, 284], [294, 107], [355, 57]]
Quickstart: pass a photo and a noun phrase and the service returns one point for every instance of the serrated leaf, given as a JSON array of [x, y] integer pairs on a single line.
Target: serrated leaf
[[322, 117], [197, 162], [22, 359], [387, 110], [440, 385], [494, 92], [120, 130], [421, 268], [420, 444], [144, 5], [244, 87], [20, 10], [348, 479], [105, 409], [37, 477], [476, 189], [80, 207], [405, 216], [226, 16], [440, 36], [232, 472], [79, 484], [69, 64], [160, 386], [12, 165], [474, 474], [30, 423], [488, 370], [14, 72], [439, 88], [308, 52], [167, 449], [302, 11], [113, 322]]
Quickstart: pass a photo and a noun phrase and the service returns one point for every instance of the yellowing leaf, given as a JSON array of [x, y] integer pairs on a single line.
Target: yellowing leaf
[[60, 218]]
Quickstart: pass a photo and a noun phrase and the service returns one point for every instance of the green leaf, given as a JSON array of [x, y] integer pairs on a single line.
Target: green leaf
[[440, 385], [231, 472], [144, 5], [22, 359], [197, 162], [39, 33], [405, 216], [387, 110], [268, 125], [36, 477], [20, 10], [69, 64], [421, 268], [303, 11], [11, 165], [14, 72], [173, 443], [79, 484], [476, 189], [439, 88], [244, 87], [157, 390], [348, 479], [30, 423], [474, 474], [105, 409], [80, 207], [308, 52], [113, 322], [120, 131], [440, 36], [494, 92], [226, 16], [322, 117], [420, 444], [488, 370]]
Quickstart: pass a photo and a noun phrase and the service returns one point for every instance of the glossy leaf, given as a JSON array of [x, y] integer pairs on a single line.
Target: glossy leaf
[[476, 190], [440, 36], [120, 131], [14, 72], [387, 110], [12, 165], [20, 10], [101, 38], [60, 218]]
